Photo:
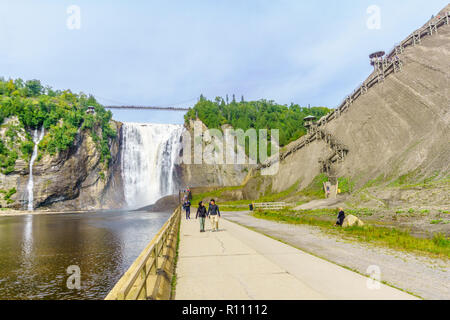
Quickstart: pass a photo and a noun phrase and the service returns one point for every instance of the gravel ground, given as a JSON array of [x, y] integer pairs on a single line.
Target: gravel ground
[[423, 276]]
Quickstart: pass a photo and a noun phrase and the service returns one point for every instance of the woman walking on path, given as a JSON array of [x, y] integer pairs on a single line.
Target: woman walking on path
[[201, 213]]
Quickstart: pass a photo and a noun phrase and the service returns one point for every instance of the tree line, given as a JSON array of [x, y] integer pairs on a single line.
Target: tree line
[[261, 114], [63, 114]]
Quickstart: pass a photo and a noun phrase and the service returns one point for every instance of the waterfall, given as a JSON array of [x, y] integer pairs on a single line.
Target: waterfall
[[149, 154], [36, 139]]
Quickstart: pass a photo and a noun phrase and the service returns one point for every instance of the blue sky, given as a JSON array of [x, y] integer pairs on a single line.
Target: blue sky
[[169, 52]]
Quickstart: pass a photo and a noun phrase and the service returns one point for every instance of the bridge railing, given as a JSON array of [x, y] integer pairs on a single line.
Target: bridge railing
[[148, 108], [150, 275]]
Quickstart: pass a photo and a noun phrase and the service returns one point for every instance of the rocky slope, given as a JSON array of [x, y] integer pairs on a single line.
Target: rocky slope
[[397, 136], [211, 172]]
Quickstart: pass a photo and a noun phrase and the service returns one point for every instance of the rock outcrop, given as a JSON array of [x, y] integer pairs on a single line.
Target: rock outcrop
[[74, 179], [352, 221], [211, 172]]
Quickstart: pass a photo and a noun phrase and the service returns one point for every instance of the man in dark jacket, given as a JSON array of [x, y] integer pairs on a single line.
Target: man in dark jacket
[[201, 213], [214, 215]]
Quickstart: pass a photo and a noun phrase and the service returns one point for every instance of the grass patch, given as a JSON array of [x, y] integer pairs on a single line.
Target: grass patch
[[7, 194], [240, 205], [375, 182], [272, 197], [390, 237], [234, 208], [196, 198], [408, 182], [346, 185], [315, 188]]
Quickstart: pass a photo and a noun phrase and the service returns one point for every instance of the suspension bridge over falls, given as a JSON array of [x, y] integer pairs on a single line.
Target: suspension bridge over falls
[[149, 108]]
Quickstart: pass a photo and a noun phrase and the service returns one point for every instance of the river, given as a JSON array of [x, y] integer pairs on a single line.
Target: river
[[36, 250]]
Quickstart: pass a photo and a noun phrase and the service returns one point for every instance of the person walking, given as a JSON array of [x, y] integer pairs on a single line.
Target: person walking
[[187, 207], [214, 215], [201, 213]]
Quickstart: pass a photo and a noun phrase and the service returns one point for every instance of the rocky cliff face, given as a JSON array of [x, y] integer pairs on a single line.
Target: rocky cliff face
[[74, 179], [397, 134], [211, 173]]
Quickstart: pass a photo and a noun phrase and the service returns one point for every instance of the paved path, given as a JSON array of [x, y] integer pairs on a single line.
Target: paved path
[[239, 264], [321, 204], [425, 276]]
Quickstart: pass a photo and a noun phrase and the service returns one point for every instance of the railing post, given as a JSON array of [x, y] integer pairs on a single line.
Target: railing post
[[144, 278]]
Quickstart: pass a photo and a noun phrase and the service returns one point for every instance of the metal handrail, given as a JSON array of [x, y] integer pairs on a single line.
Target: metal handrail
[[134, 284]]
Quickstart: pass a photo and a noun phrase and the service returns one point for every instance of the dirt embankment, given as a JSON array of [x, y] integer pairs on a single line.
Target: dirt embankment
[[397, 135]]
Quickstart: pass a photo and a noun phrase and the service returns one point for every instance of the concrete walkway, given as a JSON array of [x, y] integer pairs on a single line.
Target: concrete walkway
[[239, 264]]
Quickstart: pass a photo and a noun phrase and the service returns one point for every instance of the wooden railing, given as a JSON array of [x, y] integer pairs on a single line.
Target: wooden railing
[[270, 205], [150, 275]]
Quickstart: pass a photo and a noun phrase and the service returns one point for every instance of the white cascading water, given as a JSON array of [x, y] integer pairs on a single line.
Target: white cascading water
[[36, 139], [149, 154]]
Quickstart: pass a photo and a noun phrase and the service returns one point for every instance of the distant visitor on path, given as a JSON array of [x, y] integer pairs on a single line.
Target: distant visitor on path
[[214, 215], [187, 207], [189, 195], [201, 213], [341, 217]]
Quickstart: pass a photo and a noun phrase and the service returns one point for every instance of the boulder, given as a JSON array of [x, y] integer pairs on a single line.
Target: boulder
[[351, 221]]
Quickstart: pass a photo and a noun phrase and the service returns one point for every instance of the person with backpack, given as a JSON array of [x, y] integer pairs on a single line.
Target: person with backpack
[[201, 213], [214, 215]]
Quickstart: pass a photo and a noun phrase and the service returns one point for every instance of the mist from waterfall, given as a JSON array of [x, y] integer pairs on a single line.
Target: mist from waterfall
[[149, 154]]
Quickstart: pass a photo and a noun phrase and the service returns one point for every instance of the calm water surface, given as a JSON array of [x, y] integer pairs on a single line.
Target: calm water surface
[[35, 251]]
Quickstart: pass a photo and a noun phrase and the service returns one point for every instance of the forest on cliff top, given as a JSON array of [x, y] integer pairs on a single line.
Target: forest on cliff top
[[61, 113], [261, 114]]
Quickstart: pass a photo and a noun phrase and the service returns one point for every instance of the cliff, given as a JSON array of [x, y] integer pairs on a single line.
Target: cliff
[[74, 179], [211, 173]]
